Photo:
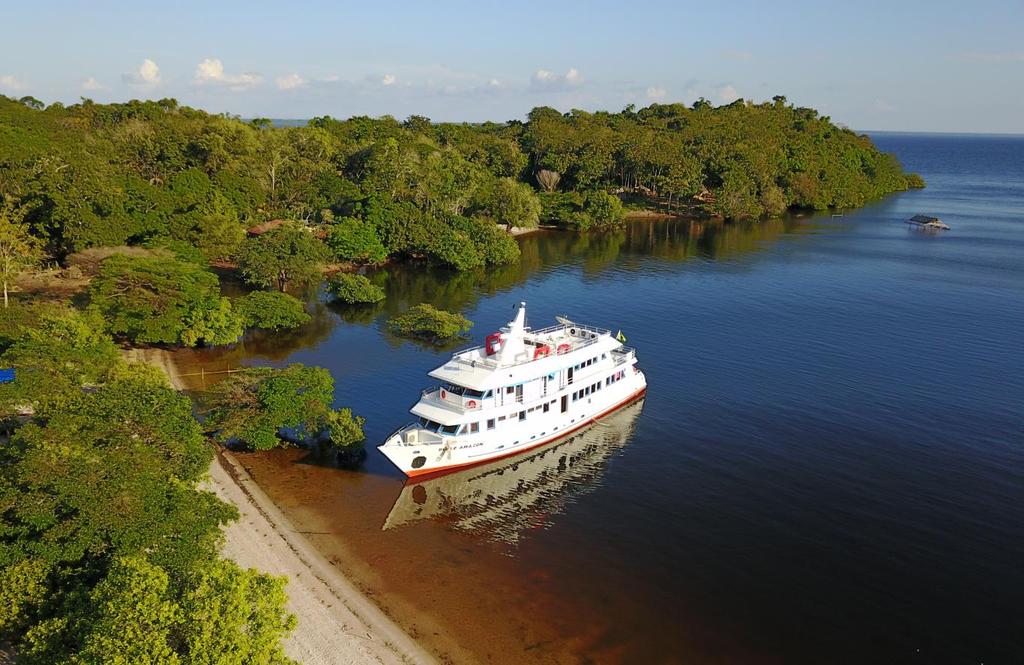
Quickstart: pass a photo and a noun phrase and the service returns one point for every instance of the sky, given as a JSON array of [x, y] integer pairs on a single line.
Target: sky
[[897, 65]]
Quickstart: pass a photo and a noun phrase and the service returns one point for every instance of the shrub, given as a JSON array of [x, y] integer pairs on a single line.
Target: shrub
[[427, 322], [271, 310], [353, 240], [353, 289]]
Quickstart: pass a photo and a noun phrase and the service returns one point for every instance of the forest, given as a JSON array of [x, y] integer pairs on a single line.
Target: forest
[[109, 545], [155, 173]]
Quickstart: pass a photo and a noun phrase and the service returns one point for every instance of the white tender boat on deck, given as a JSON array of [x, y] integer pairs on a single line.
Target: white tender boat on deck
[[521, 389]]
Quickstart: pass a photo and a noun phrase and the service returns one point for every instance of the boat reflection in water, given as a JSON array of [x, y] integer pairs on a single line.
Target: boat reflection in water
[[502, 499]]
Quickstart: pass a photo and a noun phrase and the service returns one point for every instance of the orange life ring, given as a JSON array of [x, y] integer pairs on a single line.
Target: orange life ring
[[564, 348], [443, 394], [542, 350], [471, 404]]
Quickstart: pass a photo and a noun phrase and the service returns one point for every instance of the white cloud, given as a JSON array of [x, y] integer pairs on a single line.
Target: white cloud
[[330, 78], [92, 85], [494, 83], [882, 106], [655, 92], [11, 82], [211, 72], [147, 75], [727, 93], [388, 79], [289, 82], [543, 79]]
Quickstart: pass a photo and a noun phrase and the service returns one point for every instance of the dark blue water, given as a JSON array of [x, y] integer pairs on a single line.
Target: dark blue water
[[829, 464]]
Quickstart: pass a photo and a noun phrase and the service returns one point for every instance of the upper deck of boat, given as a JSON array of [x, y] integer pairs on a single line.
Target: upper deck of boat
[[543, 352]]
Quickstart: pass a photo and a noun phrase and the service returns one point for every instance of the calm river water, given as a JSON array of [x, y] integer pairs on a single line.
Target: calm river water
[[828, 466]]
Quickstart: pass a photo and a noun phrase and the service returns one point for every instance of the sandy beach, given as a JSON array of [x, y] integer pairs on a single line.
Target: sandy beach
[[336, 622]]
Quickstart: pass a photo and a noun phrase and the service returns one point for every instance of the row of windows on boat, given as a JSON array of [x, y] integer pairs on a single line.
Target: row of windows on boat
[[483, 394], [491, 423]]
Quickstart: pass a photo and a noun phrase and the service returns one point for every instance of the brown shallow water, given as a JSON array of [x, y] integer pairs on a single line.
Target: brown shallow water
[[463, 576]]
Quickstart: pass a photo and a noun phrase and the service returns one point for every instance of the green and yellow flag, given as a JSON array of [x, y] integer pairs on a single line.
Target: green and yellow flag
[[619, 336]]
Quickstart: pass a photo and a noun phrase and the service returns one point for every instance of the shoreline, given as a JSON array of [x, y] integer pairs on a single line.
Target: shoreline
[[336, 622]]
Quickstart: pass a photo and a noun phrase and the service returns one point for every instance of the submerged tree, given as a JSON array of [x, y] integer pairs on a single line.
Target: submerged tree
[[259, 406], [427, 322]]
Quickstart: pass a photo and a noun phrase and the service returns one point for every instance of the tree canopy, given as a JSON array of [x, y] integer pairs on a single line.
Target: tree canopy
[[155, 172], [259, 406], [163, 300]]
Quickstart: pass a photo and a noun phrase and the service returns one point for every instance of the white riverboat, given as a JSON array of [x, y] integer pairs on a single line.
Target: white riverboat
[[521, 389]]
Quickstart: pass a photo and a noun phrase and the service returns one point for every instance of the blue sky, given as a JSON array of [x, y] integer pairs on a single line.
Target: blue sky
[[920, 66]]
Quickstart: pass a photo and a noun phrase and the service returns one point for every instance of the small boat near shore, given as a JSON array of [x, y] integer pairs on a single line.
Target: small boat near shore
[[521, 389], [928, 222]]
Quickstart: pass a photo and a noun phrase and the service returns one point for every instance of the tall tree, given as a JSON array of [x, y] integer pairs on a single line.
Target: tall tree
[[19, 249], [287, 254]]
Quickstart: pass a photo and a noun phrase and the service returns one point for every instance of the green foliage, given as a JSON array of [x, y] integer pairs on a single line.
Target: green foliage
[[19, 249], [508, 202], [287, 254], [271, 310], [915, 181], [354, 240], [427, 322], [257, 405], [112, 470], [160, 300], [61, 352], [89, 174], [353, 289]]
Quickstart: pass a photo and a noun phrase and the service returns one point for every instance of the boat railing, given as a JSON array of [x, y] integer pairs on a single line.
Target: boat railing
[[491, 363], [623, 354], [451, 399]]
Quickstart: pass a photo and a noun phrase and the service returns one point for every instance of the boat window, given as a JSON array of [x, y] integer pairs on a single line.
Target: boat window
[[474, 428], [546, 407], [490, 423], [489, 393], [500, 418], [510, 389], [522, 415], [449, 429], [462, 390]]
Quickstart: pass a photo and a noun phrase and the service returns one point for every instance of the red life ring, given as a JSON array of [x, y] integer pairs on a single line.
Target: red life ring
[[471, 404], [443, 394], [542, 350], [563, 348], [493, 343]]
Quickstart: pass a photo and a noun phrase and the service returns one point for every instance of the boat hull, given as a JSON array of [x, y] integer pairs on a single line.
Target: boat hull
[[402, 455]]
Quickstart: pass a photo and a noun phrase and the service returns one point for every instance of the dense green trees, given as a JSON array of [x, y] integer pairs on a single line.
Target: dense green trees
[[354, 289], [259, 406], [429, 323], [108, 550], [89, 175], [286, 254], [271, 310], [160, 299], [19, 249]]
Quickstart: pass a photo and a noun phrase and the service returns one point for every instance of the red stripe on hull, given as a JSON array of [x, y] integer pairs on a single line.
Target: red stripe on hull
[[440, 471]]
